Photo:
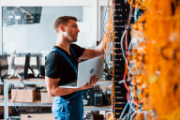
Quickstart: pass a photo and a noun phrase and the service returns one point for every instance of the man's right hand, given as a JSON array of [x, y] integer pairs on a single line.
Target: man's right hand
[[89, 85]]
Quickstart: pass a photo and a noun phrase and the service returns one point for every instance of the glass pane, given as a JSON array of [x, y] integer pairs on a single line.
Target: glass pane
[[30, 29]]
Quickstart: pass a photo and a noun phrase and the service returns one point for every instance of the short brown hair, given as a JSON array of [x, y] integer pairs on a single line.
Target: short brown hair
[[62, 20]]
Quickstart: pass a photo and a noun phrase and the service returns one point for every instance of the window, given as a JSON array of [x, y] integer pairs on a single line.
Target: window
[[30, 29]]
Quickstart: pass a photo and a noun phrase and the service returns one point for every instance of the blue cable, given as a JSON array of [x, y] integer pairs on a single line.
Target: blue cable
[[123, 110], [129, 114], [104, 30], [104, 18], [108, 62]]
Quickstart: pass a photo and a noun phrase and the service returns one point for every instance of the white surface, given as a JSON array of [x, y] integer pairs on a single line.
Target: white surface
[[46, 2], [11, 61], [84, 36], [84, 26], [86, 16], [84, 74], [101, 11], [94, 15]]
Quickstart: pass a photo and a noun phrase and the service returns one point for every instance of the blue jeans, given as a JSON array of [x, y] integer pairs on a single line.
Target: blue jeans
[[68, 109]]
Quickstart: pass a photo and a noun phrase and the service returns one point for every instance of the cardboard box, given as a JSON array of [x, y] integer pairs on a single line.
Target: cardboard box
[[47, 116], [23, 94], [45, 98], [2, 110]]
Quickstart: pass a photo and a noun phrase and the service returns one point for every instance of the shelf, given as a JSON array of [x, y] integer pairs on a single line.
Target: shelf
[[7, 102], [1, 102], [18, 117], [42, 81], [14, 117], [93, 108], [104, 82], [28, 81], [35, 103], [38, 103]]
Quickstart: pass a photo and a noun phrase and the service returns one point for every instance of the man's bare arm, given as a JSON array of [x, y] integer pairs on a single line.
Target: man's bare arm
[[54, 89], [91, 53]]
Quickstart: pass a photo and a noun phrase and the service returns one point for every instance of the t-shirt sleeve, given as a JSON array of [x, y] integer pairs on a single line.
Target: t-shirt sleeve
[[53, 65], [78, 50]]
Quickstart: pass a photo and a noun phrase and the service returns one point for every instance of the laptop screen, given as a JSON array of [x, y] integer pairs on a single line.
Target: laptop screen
[[3, 64]]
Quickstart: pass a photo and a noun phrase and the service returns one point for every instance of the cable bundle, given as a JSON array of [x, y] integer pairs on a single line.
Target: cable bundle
[[109, 34], [154, 67], [109, 38]]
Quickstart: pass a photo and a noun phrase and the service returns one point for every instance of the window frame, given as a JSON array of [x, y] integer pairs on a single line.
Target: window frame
[[50, 3]]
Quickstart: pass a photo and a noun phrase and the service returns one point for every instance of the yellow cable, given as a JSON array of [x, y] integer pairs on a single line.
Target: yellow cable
[[157, 58]]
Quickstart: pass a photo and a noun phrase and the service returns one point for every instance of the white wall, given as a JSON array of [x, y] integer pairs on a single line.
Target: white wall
[[101, 11], [86, 13], [39, 37]]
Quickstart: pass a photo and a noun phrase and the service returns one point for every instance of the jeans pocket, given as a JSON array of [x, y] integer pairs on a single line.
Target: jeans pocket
[[58, 111], [59, 115], [58, 107]]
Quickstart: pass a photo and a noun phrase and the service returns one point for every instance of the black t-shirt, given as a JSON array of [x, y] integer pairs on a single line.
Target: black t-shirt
[[56, 66]]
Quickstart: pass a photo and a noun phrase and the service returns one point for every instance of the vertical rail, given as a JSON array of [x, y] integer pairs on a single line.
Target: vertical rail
[[121, 12]]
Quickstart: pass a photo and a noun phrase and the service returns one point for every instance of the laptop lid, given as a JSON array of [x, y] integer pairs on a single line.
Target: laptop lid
[[11, 63], [90, 68], [87, 69]]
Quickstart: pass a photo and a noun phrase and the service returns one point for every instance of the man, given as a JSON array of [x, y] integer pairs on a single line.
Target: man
[[68, 101]]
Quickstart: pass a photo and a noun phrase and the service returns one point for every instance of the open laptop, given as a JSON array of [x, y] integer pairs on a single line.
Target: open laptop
[[11, 63], [14, 71], [87, 69], [3, 66], [19, 72]]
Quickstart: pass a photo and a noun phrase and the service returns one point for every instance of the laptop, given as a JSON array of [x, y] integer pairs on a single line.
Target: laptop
[[3, 66], [12, 69], [19, 72], [87, 69], [11, 63]]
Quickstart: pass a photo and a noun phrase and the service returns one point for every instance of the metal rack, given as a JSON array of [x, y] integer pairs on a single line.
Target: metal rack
[[120, 19], [6, 102]]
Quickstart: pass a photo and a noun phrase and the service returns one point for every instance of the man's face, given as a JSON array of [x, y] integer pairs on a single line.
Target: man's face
[[71, 31]]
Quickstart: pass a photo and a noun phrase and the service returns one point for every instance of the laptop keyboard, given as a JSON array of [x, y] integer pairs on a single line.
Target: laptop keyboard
[[75, 84], [19, 71]]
